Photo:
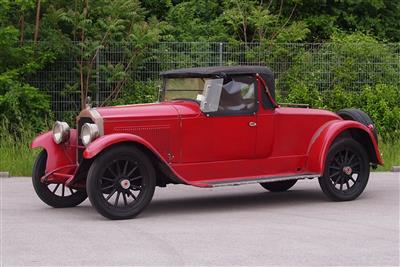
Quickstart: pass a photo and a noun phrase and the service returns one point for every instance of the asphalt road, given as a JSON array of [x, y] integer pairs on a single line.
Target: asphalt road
[[242, 225]]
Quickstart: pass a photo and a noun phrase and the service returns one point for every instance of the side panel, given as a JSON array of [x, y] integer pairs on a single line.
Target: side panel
[[57, 155], [324, 138], [295, 128], [108, 140], [210, 139]]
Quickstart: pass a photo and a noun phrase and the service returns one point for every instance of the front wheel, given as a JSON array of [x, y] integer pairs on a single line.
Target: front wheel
[[121, 182], [55, 195], [346, 171]]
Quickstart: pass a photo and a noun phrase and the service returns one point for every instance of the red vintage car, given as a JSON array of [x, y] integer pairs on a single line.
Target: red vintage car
[[213, 126]]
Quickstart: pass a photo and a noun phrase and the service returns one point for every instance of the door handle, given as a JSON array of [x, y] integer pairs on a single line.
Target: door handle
[[252, 124]]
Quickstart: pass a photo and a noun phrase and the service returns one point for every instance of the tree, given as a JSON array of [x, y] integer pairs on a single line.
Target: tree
[[91, 26]]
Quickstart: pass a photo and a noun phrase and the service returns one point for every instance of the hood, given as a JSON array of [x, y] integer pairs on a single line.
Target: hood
[[137, 111], [153, 110]]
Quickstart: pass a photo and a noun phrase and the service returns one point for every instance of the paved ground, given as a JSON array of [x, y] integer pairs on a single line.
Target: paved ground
[[242, 225]]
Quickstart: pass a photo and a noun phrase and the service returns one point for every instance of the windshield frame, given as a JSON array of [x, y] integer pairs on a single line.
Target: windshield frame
[[252, 111]]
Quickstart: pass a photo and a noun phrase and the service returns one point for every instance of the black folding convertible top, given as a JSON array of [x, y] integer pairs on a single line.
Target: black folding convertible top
[[224, 71]]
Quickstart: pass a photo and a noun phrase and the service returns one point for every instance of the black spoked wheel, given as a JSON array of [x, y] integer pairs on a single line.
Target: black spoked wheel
[[55, 195], [346, 171], [121, 182], [279, 186]]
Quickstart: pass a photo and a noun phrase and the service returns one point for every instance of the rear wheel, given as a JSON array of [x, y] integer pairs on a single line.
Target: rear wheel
[[121, 182], [346, 171], [55, 195], [279, 186]]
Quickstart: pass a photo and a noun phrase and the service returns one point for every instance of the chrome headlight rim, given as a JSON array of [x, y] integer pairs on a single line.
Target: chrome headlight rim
[[89, 132], [61, 132]]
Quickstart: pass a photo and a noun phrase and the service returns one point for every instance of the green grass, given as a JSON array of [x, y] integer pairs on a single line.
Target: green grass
[[390, 154], [17, 158]]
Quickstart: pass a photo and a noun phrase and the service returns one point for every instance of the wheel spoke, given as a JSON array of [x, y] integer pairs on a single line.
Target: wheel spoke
[[345, 156], [351, 158], [135, 178], [125, 201], [111, 194], [63, 189], [116, 199], [337, 161], [354, 165], [107, 179], [341, 185], [334, 167], [112, 172], [131, 171], [337, 181], [351, 178], [347, 184], [130, 193], [125, 167], [334, 174], [107, 187], [118, 167], [70, 190], [55, 188]]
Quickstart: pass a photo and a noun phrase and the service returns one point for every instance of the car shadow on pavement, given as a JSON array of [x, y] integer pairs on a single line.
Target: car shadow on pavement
[[227, 203]]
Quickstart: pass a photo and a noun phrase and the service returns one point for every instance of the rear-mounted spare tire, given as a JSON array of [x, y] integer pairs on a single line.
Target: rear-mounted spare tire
[[358, 115]]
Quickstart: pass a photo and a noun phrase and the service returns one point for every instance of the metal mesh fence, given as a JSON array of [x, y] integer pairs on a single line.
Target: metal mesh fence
[[321, 65]]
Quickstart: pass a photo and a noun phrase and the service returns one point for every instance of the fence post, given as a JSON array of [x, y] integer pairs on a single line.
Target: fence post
[[220, 53], [97, 79]]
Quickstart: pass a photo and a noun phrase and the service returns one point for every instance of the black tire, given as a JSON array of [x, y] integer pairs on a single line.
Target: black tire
[[119, 173], [346, 171], [358, 115], [52, 194], [279, 186]]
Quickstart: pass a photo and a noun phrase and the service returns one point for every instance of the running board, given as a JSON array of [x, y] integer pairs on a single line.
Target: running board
[[259, 180]]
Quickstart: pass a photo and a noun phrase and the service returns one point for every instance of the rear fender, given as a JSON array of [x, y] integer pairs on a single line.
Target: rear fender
[[323, 139], [58, 155]]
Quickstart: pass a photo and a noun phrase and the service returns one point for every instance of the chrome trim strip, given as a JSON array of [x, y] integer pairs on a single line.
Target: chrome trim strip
[[261, 180], [95, 115], [98, 120]]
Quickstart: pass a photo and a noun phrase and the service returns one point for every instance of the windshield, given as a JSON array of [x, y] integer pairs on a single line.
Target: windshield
[[178, 88], [214, 94]]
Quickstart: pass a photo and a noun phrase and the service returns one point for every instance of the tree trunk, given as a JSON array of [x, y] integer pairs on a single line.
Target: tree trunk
[[21, 29], [37, 22], [83, 62]]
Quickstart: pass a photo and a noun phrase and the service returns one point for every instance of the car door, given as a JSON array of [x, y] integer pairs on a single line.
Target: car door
[[227, 127]]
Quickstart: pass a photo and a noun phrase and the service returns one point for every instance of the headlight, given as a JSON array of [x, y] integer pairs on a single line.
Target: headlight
[[89, 132], [60, 132]]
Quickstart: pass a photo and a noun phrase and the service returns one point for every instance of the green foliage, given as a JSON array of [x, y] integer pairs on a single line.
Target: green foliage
[[344, 79], [24, 105], [138, 92], [382, 103]]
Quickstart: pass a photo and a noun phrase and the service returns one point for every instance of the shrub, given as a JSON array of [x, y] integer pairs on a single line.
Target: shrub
[[138, 92], [23, 106]]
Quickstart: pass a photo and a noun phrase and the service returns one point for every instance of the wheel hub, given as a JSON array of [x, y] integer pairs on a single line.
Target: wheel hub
[[125, 183], [347, 170]]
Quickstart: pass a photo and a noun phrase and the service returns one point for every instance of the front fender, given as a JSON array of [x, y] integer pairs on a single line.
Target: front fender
[[58, 155], [327, 134], [108, 140]]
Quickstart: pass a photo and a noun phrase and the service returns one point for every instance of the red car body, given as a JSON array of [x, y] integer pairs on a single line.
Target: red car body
[[190, 147]]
